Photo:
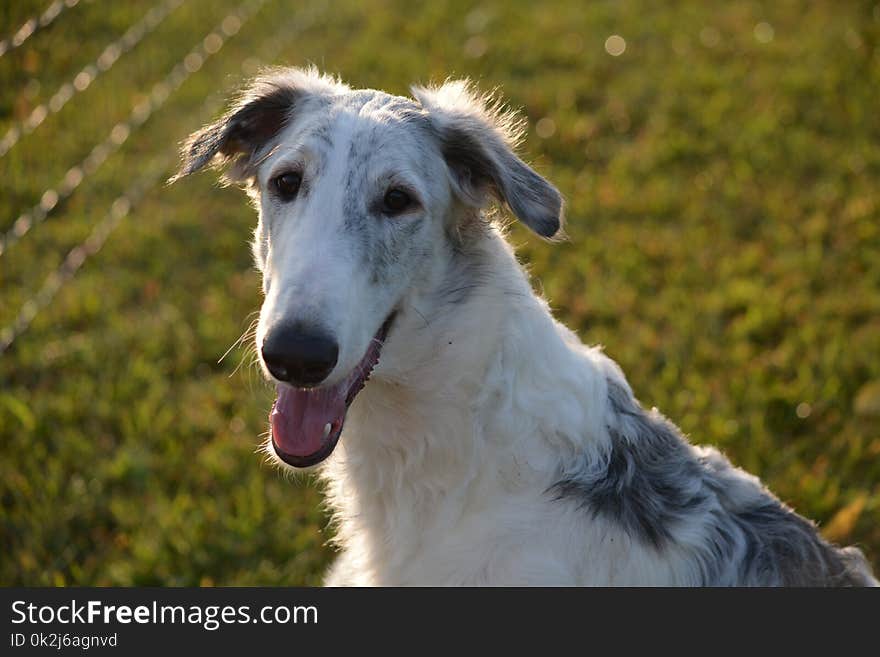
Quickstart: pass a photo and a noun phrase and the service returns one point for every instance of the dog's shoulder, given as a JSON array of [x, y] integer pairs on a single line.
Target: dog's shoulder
[[677, 498]]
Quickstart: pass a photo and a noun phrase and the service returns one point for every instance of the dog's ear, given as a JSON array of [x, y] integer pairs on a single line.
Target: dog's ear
[[259, 113], [477, 139]]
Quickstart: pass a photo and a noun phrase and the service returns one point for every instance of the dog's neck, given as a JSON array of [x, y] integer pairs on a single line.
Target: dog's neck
[[434, 424]]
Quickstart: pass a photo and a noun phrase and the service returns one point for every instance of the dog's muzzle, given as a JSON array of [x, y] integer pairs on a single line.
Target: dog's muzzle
[[307, 422]]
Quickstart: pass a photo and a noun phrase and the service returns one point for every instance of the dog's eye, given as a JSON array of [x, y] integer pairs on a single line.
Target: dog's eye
[[287, 185], [395, 202]]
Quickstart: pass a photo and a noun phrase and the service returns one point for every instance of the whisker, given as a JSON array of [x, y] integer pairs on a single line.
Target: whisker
[[244, 336], [254, 361], [248, 357]]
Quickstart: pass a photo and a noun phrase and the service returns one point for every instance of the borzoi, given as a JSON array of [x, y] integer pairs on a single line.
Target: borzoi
[[483, 443]]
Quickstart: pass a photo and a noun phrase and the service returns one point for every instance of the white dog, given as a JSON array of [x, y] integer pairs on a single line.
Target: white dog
[[489, 445]]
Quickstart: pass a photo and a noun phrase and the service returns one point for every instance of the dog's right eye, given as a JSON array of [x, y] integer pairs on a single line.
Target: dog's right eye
[[287, 185]]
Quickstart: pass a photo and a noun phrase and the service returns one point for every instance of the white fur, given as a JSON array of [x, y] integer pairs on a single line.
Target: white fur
[[442, 472]]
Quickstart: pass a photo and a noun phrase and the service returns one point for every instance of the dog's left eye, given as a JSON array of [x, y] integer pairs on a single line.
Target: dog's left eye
[[287, 185], [395, 202]]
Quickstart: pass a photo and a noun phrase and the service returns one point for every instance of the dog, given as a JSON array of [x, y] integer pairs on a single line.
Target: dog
[[465, 436]]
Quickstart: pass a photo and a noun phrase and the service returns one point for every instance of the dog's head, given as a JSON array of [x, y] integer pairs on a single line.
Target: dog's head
[[358, 191]]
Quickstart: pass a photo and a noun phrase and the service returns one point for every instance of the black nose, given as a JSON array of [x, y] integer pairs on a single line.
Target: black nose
[[299, 356]]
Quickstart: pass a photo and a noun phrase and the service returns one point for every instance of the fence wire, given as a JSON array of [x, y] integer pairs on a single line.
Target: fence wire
[[83, 80], [36, 23], [120, 133], [123, 205]]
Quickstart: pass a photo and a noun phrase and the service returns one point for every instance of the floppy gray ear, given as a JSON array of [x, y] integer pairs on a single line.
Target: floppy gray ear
[[259, 114], [477, 141]]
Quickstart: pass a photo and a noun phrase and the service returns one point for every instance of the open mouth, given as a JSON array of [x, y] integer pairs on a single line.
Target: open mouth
[[306, 423]]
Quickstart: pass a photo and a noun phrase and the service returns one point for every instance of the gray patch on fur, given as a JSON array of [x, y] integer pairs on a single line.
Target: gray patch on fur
[[355, 205], [765, 543], [467, 275], [381, 245], [647, 484], [324, 135], [654, 481], [356, 211]]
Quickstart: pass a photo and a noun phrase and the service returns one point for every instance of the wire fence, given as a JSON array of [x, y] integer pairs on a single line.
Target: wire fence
[[157, 170], [120, 133], [84, 78], [36, 23]]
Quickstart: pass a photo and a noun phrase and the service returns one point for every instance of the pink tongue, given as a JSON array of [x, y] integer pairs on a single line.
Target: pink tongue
[[299, 418]]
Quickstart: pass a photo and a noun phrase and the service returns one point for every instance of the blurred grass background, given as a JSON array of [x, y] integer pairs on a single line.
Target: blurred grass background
[[721, 166]]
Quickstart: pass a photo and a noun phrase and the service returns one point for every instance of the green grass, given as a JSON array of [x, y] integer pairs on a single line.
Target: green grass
[[723, 195]]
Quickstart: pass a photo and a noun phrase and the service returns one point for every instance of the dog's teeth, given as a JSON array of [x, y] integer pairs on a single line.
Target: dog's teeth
[[327, 428]]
